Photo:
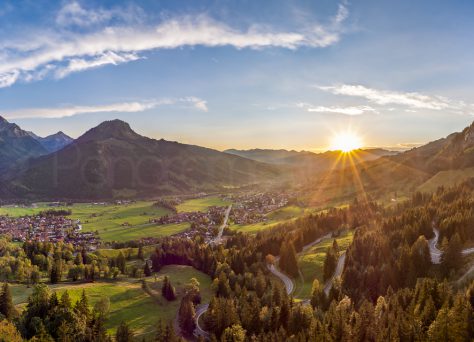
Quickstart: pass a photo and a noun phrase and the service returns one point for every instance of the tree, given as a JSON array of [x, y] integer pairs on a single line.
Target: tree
[[187, 316], [330, 264], [234, 333], [193, 291], [452, 257], [140, 253], [288, 260], [56, 272], [167, 290], [124, 333], [147, 270], [7, 309], [121, 262], [8, 332], [317, 294], [102, 306]]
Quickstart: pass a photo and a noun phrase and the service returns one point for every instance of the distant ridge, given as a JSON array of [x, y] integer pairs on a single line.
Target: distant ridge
[[16, 145], [53, 142]]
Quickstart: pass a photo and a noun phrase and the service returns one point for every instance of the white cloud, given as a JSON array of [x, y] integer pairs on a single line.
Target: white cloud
[[8, 78], [62, 52], [121, 107], [196, 102], [350, 110], [384, 97], [81, 64], [73, 13]]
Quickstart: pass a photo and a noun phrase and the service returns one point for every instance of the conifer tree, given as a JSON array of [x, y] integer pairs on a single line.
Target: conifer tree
[[7, 309], [187, 316], [124, 333]]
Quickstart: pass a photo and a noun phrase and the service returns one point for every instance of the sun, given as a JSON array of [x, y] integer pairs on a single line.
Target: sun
[[346, 142]]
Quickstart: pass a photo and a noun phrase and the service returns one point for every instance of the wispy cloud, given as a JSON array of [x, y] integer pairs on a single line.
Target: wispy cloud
[[80, 64], [120, 107], [384, 97], [349, 110], [64, 51]]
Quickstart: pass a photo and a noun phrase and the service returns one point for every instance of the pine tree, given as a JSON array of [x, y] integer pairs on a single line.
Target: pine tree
[[317, 294], [121, 262], [451, 259], [82, 306], [167, 290], [187, 316], [147, 270], [330, 264], [124, 333], [7, 309]]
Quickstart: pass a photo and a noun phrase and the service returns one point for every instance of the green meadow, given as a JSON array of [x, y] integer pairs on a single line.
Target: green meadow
[[274, 218], [311, 262], [201, 204], [128, 301]]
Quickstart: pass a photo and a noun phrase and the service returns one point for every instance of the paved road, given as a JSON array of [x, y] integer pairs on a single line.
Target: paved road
[[434, 251], [337, 273], [199, 331], [468, 251], [218, 239], [289, 285], [437, 253]]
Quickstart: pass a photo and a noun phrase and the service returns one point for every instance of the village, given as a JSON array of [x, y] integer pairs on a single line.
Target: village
[[52, 228], [247, 208]]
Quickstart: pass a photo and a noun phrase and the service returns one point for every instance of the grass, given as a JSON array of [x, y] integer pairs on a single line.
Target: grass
[[311, 262], [275, 217], [128, 301], [446, 178], [113, 222], [133, 252], [201, 204]]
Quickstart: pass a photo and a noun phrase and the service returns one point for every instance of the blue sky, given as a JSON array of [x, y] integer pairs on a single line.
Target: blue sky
[[241, 74]]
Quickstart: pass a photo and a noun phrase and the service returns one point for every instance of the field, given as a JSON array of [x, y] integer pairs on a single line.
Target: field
[[311, 262], [128, 301], [201, 204], [447, 179], [113, 222], [274, 218]]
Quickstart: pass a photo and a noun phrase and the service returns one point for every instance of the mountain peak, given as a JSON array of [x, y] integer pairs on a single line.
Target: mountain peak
[[117, 129]]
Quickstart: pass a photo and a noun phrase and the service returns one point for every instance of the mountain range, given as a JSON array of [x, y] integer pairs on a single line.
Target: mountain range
[[111, 160]]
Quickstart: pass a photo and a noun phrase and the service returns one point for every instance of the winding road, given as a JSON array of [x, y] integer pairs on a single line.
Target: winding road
[[289, 284], [337, 273], [199, 331], [434, 251]]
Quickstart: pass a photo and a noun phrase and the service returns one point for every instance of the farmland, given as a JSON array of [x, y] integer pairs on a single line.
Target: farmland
[[201, 204]]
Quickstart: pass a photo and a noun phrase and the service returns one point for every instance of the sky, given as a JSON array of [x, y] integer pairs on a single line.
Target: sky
[[241, 74]]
